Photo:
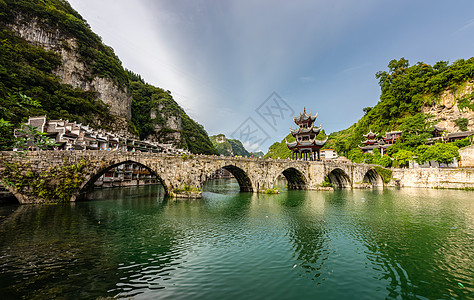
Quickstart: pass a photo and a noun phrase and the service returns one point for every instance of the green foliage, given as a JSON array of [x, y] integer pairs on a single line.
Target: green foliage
[[384, 161], [6, 135], [55, 185], [229, 147], [462, 123], [279, 149], [466, 102], [321, 135], [386, 174], [29, 136], [356, 155], [403, 157], [463, 143], [148, 99], [327, 182], [404, 91], [54, 15], [442, 153], [271, 191], [186, 190], [257, 154], [29, 87]]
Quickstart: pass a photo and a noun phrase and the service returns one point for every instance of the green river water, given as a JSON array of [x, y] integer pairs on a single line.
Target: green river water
[[347, 244]]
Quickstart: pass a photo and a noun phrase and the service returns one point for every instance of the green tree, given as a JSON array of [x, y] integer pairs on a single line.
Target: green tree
[[403, 157], [356, 155], [463, 143], [442, 153], [420, 154], [6, 135], [384, 161], [29, 136]]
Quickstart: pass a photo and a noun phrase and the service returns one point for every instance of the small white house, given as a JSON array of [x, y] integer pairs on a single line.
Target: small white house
[[328, 154]]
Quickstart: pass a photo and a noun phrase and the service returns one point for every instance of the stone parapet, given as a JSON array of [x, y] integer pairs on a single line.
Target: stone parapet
[[57, 176]]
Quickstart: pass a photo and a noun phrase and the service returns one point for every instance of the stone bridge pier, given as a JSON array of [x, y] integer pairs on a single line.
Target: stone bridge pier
[[60, 176]]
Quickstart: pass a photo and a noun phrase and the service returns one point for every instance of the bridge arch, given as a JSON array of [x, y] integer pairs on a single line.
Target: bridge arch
[[97, 171], [296, 179], [240, 175], [373, 177], [339, 178], [19, 198]]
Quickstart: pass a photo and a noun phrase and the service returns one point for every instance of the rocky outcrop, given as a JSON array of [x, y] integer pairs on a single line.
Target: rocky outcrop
[[446, 110], [167, 131], [73, 71]]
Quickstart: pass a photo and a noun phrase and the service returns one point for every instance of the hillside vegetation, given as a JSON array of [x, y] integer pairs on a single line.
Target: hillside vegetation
[[30, 85], [280, 150], [228, 147], [405, 90]]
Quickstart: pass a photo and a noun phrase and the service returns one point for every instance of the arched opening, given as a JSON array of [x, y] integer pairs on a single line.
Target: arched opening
[[228, 178], [373, 178], [295, 179], [7, 196], [339, 178], [123, 174]]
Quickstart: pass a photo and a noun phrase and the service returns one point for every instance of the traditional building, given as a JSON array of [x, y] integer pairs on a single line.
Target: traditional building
[[371, 142], [328, 154], [306, 146], [75, 136], [391, 137]]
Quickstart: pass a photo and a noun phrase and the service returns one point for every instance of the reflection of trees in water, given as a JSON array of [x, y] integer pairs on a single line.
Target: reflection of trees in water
[[221, 186], [406, 237], [308, 232], [84, 249]]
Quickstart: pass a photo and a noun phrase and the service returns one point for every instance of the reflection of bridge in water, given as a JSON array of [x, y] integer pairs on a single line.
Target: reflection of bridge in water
[[38, 175]]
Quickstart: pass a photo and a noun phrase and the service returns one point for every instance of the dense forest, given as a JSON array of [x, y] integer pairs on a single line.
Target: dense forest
[[405, 90], [29, 85]]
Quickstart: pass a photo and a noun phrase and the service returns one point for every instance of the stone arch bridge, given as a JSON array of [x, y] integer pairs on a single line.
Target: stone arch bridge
[[57, 176]]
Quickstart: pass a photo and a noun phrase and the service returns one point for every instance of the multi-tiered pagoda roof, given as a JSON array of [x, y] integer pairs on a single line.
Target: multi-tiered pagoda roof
[[306, 145]]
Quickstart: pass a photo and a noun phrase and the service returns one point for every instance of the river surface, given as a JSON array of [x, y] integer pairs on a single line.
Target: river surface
[[136, 243]]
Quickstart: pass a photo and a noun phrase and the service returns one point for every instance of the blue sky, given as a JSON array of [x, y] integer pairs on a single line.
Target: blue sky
[[223, 59]]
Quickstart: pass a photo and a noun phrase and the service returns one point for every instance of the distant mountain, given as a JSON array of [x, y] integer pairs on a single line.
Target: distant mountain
[[257, 154], [228, 147]]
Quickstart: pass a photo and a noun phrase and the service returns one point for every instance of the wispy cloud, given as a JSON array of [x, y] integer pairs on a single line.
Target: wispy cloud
[[467, 26], [307, 79], [353, 69], [221, 59]]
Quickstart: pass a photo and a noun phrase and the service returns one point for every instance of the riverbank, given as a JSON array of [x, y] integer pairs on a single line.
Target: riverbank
[[455, 178]]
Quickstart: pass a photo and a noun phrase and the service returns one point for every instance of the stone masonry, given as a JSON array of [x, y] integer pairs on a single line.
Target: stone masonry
[[181, 175]]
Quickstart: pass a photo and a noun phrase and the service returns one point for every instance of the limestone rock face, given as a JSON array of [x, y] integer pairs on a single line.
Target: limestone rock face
[[74, 72], [167, 131], [447, 110]]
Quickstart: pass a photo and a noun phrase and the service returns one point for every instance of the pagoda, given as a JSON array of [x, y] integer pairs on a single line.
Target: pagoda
[[372, 143], [306, 146]]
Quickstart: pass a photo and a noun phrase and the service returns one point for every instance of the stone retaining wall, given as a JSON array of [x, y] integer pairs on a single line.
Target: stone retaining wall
[[434, 178], [467, 156]]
